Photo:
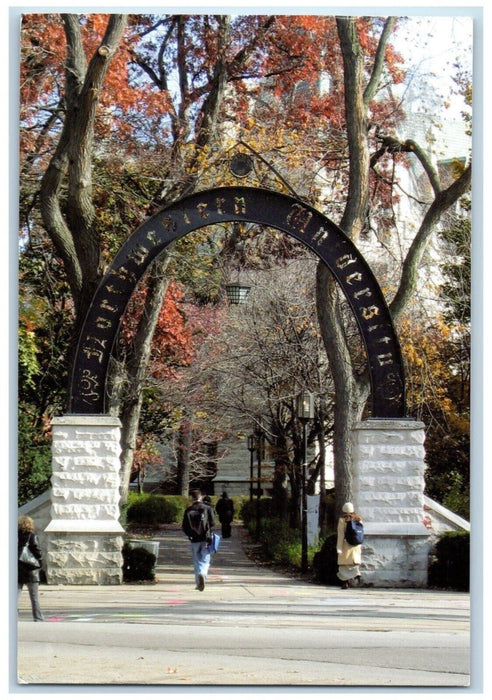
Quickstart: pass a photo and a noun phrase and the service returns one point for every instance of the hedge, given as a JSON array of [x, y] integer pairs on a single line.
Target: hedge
[[450, 567], [325, 562], [154, 509], [138, 564]]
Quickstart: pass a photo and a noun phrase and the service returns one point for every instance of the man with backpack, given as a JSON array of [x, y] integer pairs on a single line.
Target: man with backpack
[[198, 522]]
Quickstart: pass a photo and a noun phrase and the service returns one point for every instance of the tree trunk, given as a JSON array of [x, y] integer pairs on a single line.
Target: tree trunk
[[322, 479], [443, 200], [66, 189], [131, 396], [355, 212], [279, 492], [183, 460], [351, 390], [350, 393], [129, 429]]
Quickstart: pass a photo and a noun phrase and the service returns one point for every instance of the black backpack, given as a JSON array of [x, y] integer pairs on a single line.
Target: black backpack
[[354, 533], [198, 524]]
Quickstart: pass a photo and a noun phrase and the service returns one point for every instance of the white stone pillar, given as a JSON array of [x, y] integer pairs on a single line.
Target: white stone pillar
[[84, 537], [388, 492]]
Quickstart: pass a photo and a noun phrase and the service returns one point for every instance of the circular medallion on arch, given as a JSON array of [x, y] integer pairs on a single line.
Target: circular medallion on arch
[[241, 164]]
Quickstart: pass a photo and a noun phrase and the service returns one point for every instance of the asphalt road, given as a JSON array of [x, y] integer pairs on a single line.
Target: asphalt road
[[250, 627]]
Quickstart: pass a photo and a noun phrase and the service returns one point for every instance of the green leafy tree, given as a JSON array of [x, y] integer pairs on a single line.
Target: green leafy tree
[[435, 396], [448, 450], [43, 345], [34, 463]]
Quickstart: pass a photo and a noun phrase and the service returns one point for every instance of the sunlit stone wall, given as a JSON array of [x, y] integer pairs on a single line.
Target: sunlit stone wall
[[84, 536], [388, 492]]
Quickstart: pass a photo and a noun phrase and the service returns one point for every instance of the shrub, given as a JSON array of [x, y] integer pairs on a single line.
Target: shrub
[[138, 564], [153, 509], [249, 510], [281, 544], [451, 565], [458, 497], [176, 505], [325, 562]]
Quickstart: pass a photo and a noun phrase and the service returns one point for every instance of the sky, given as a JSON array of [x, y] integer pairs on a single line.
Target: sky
[[433, 47]]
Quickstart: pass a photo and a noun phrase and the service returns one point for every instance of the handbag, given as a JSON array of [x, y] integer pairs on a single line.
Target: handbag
[[214, 543], [27, 558]]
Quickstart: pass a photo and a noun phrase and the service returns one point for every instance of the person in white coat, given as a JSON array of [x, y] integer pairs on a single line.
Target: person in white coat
[[349, 556]]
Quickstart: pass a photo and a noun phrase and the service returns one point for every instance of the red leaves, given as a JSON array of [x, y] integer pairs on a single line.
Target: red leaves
[[146, 454], [172, 344]]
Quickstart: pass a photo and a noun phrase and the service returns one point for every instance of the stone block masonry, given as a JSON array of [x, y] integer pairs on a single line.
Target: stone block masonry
[[84, 536], [388, 492]]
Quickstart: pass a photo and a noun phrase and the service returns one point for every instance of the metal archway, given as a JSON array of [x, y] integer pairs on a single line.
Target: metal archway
[[251, 205]]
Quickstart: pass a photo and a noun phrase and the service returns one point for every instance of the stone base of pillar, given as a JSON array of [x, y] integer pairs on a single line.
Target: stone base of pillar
[[88, 558], [395, 561], [388, 492]]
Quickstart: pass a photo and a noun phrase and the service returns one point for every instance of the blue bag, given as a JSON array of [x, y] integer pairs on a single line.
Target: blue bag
[[214, 543], [354, 533]]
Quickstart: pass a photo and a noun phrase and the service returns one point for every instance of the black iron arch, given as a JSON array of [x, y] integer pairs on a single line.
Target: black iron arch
[[252, 205]]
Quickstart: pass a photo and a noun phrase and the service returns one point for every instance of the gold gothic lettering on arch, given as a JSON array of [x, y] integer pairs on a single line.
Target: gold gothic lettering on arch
[[257, 206]]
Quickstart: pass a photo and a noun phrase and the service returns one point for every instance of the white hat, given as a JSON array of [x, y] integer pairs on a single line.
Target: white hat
[[348, 508]]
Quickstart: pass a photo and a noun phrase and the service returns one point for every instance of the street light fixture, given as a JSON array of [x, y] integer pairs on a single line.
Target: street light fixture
[[237, 293], [305, 413], [305, 406]]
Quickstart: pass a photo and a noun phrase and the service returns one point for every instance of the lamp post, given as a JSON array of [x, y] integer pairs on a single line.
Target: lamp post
[[260, 441], [305, 413], [251, 448]]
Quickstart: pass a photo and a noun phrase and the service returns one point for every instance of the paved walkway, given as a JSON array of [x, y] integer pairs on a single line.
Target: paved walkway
[[233, 576], [250, 626]]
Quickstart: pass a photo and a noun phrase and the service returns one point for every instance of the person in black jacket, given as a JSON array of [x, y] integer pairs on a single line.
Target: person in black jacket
[[198, 522], [25, 575], [225, 511]]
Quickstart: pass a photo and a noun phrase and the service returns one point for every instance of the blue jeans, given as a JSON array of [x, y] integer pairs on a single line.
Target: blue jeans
[[201, 559]]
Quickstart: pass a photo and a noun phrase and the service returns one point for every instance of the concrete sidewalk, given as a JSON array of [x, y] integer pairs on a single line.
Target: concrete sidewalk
[[233, 576], [250, 626]]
